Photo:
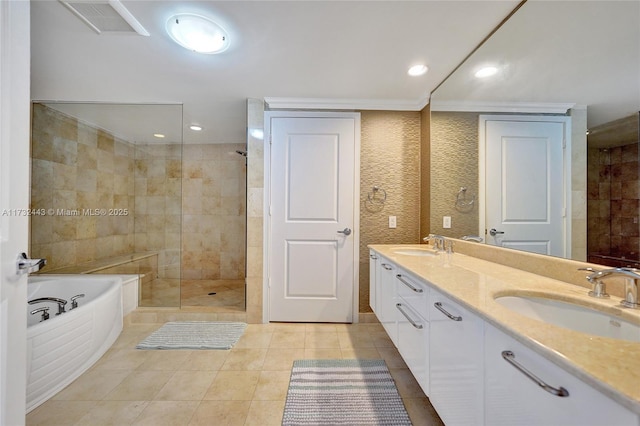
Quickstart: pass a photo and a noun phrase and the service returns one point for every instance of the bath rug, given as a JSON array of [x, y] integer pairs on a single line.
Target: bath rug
[[194, 335], [343, 392]]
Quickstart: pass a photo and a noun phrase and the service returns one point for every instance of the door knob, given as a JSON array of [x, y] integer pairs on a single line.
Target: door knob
[[345, 231], [493, 232]]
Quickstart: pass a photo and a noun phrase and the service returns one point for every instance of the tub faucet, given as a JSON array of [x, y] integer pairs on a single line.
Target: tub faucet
[[61, 303], [631, 284]]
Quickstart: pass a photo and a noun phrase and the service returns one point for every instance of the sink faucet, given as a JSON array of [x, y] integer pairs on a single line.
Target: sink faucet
[[438, 241], [632, 278]]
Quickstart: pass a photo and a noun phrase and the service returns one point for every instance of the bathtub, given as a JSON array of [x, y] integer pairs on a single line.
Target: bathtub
[[63, 347]]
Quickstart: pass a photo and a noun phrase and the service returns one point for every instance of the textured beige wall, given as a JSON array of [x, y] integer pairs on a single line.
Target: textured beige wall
[[425, 171], [454, 164], [389, 159], [75, 167]]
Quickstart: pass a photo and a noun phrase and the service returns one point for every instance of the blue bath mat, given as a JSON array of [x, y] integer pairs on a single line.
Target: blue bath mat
[[194, 335]]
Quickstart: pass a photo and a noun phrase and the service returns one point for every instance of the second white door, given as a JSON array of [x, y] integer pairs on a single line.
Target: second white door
[[312, 257], [525, 183]]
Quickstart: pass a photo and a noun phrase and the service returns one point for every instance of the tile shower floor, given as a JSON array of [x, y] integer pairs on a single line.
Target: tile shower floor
[[246, 385], [228, 297]]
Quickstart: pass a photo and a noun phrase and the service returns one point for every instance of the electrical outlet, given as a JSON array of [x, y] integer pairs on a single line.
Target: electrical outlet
[[392, 221], [446, 222]]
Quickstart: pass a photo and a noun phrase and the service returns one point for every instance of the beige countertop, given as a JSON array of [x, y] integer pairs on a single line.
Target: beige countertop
[[609, 365]]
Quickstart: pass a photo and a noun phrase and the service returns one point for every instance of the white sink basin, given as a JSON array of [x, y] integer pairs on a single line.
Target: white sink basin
[[572, 316], [414, 251]]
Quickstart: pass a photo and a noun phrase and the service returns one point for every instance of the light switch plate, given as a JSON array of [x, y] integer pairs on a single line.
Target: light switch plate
[[446, 222], [392, 221]]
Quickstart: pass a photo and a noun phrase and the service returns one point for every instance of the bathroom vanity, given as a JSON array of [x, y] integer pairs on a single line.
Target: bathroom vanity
[[484, 362]]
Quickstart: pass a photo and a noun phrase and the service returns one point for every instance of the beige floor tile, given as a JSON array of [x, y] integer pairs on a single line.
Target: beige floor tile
[[421, 412], [254, 341], [407, 385], [245, 359], [140, 386], [381, 339], [321, 340], [320, 328], [291, 327], [272, 386], [221, 413], [113, 413], [167, 413], [265, 413], [392, 357], [288, 339], [169, 360], [322, 353], [186, 386], [205, 360], [59, 413], [361, 353], [233, 385], [281, 359], [355, 339], [122, 359], [92, 386]]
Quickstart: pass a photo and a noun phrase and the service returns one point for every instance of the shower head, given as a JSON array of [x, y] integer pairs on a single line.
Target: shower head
[[243, 153]]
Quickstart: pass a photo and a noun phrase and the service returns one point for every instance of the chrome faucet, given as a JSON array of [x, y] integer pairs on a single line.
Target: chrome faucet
[[61, 303], [631, 284], [438, 241]]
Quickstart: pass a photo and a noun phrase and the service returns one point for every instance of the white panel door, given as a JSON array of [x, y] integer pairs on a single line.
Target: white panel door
[[14, 196], [312, 207], [525, 184]]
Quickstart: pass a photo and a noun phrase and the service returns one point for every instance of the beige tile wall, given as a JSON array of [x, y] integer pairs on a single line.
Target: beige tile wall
[[213, 205], [389, 159], [76, 167]]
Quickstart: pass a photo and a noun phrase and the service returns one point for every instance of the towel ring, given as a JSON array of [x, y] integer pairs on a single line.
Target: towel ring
[[374, 198], [462, 201]]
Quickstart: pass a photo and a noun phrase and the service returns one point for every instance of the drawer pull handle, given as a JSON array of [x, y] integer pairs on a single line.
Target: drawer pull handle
[[373, 256], [510, 358], [413, 323], [408, 284], [387, 267], [439, 307]]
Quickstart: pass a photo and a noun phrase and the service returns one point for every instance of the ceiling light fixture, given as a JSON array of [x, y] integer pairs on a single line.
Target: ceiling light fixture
[[195, 127], [158, 135], [486, 72], [197, 33], [417, 70]]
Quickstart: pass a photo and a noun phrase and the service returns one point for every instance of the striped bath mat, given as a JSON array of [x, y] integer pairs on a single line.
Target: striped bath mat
[[194, 335], [343, 392]]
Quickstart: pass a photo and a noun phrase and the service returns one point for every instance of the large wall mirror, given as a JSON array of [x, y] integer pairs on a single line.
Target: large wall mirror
[[577, 63]]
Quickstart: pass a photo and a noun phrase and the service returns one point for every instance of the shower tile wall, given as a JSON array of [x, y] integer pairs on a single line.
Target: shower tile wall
[[75, 167], [213, 204], [613, 204]]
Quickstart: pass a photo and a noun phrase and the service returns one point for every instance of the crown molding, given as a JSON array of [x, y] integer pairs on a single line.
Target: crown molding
[[275, 103], [520, 107]]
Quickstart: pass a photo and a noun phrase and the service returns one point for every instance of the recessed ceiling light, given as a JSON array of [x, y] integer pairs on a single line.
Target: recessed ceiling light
[[417, 70], [158, 135], [486, 72], [197, 33], [195, 127]]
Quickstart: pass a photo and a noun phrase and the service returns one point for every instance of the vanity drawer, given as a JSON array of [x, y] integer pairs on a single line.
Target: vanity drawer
[[414, 292]]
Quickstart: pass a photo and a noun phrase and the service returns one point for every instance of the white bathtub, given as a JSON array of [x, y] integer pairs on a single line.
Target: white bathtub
[[63, 347]]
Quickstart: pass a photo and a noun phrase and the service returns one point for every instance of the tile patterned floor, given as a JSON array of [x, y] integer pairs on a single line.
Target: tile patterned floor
[[229, 294], [246, 385]]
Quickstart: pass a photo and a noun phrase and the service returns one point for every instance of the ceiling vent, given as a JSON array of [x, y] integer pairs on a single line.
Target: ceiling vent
[[105, 16]]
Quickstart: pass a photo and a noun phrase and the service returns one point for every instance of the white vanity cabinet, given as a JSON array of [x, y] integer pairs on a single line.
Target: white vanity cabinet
[[386, 298], [456, 368], [512, 397], [373, 280], [413, 326]]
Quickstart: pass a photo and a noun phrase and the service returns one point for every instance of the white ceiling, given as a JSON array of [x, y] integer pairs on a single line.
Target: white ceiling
[[349, 52]]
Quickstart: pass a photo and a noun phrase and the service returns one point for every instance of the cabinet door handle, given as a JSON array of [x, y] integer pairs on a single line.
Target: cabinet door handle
[[439, 307], [387, 267], [510, 358], [413, 323], [373, 256], [408, 284]]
